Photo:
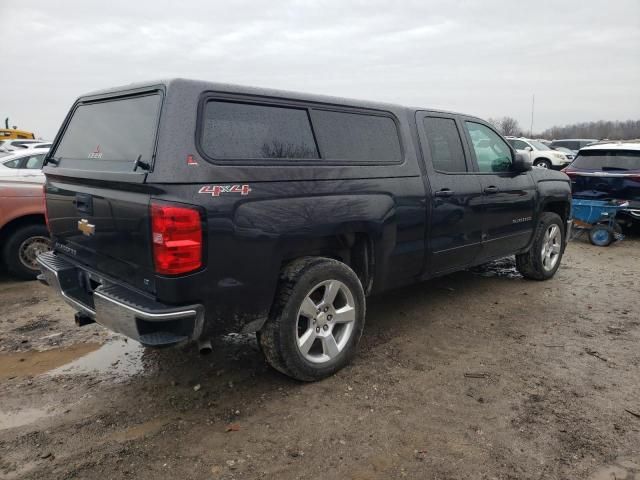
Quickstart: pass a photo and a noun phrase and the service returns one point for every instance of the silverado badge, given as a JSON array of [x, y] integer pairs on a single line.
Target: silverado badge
[[86, 228]]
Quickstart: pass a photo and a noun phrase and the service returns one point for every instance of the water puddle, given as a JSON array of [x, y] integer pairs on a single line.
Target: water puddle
[[503, 268], [120, 358], [117, 357], [32, 363]]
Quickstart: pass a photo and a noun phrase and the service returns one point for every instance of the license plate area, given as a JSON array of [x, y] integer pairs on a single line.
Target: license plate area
[[80, 285]]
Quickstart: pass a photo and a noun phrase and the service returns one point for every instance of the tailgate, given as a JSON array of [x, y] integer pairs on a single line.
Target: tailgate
[[603, 185], [97, 201], [104, 228], [600, 173]]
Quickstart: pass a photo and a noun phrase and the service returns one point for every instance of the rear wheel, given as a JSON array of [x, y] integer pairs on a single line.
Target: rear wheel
[[317, 319], [542, 163], [22, 248], [543, 258]]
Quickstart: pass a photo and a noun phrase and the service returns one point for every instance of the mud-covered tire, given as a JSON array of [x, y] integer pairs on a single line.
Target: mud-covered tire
[[530, 264], [279, 337], [15, 248]]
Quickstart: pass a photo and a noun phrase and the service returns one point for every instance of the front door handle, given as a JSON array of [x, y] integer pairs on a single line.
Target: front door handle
[[445, 192], [491, 189]]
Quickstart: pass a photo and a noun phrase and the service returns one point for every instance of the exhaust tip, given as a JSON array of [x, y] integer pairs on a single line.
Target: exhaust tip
[[83, 319], [204, 347]]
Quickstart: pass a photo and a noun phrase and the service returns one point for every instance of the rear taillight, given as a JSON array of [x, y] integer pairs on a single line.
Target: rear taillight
[[176, 233], [44, 206]]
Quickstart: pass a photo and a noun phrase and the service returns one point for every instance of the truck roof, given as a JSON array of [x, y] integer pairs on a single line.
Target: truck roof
[[264, 92]]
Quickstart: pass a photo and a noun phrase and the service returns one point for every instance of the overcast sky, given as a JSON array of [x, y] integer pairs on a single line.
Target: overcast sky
[[487, 57]]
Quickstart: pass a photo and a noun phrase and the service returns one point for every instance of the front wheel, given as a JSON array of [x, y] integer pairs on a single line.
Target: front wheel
[[542, 163], [317, 319], [542, 260]]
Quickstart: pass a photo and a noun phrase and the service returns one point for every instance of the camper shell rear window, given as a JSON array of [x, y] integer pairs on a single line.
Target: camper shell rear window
[[110, 135]]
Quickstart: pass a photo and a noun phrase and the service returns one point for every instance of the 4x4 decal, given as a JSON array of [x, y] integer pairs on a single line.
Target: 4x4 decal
[[217, 190]]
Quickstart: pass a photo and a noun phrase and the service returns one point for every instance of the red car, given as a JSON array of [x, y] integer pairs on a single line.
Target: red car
[[23, 229]]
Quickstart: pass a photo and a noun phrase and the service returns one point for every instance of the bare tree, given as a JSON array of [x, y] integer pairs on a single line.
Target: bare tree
[[613, 130], [507, 126], [510, 126]]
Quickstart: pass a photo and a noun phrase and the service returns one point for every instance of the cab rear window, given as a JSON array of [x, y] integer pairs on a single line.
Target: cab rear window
[[110, 135], [608, 160]]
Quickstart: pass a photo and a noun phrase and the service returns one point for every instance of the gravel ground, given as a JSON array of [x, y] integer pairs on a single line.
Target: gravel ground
[[475, 375]]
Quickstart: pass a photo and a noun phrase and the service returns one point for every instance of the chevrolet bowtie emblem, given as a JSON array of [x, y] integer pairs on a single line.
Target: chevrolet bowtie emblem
[[86, 228]]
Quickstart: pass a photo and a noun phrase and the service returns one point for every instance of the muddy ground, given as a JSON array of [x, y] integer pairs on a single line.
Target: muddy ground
[[475, 375]]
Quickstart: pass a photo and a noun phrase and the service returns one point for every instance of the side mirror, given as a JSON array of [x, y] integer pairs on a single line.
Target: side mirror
[[528, 149], [520, 163]]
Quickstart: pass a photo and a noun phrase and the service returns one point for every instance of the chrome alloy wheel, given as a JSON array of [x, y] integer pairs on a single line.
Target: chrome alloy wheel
[[30, 249], [326, 321], [551, 247]]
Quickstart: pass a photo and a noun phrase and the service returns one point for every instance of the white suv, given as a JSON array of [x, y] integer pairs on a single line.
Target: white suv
[[539, 154]]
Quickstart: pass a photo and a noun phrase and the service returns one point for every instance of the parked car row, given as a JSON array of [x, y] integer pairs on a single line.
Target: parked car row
[[539, 154], [572, 144], [10, 146], [23, 164]]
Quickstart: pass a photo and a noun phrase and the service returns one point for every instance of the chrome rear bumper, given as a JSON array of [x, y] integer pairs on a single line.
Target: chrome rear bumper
[[119, 308]]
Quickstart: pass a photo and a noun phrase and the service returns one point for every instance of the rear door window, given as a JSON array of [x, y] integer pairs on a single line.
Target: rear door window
[[246, 131], [356, 137], [110, 135], [445, 145], [607, 160]]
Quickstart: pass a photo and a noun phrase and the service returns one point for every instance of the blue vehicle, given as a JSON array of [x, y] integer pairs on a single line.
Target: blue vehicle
[[598, 217]]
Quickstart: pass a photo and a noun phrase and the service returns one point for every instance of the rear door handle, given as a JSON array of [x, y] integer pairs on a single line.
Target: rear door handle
[[491, 189], [445, 192]]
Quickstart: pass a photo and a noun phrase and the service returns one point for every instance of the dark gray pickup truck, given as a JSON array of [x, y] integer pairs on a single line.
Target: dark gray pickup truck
[[180, 210]]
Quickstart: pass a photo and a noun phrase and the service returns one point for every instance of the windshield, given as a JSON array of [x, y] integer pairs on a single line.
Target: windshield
[[538, 145], [608, 160], [110, 135], [563, 150]]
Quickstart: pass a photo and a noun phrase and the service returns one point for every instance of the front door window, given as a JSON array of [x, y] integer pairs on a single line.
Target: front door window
[[492, 152]]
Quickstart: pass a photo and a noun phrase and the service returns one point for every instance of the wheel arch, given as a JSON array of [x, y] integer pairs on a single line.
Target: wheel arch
[[561, 207]]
